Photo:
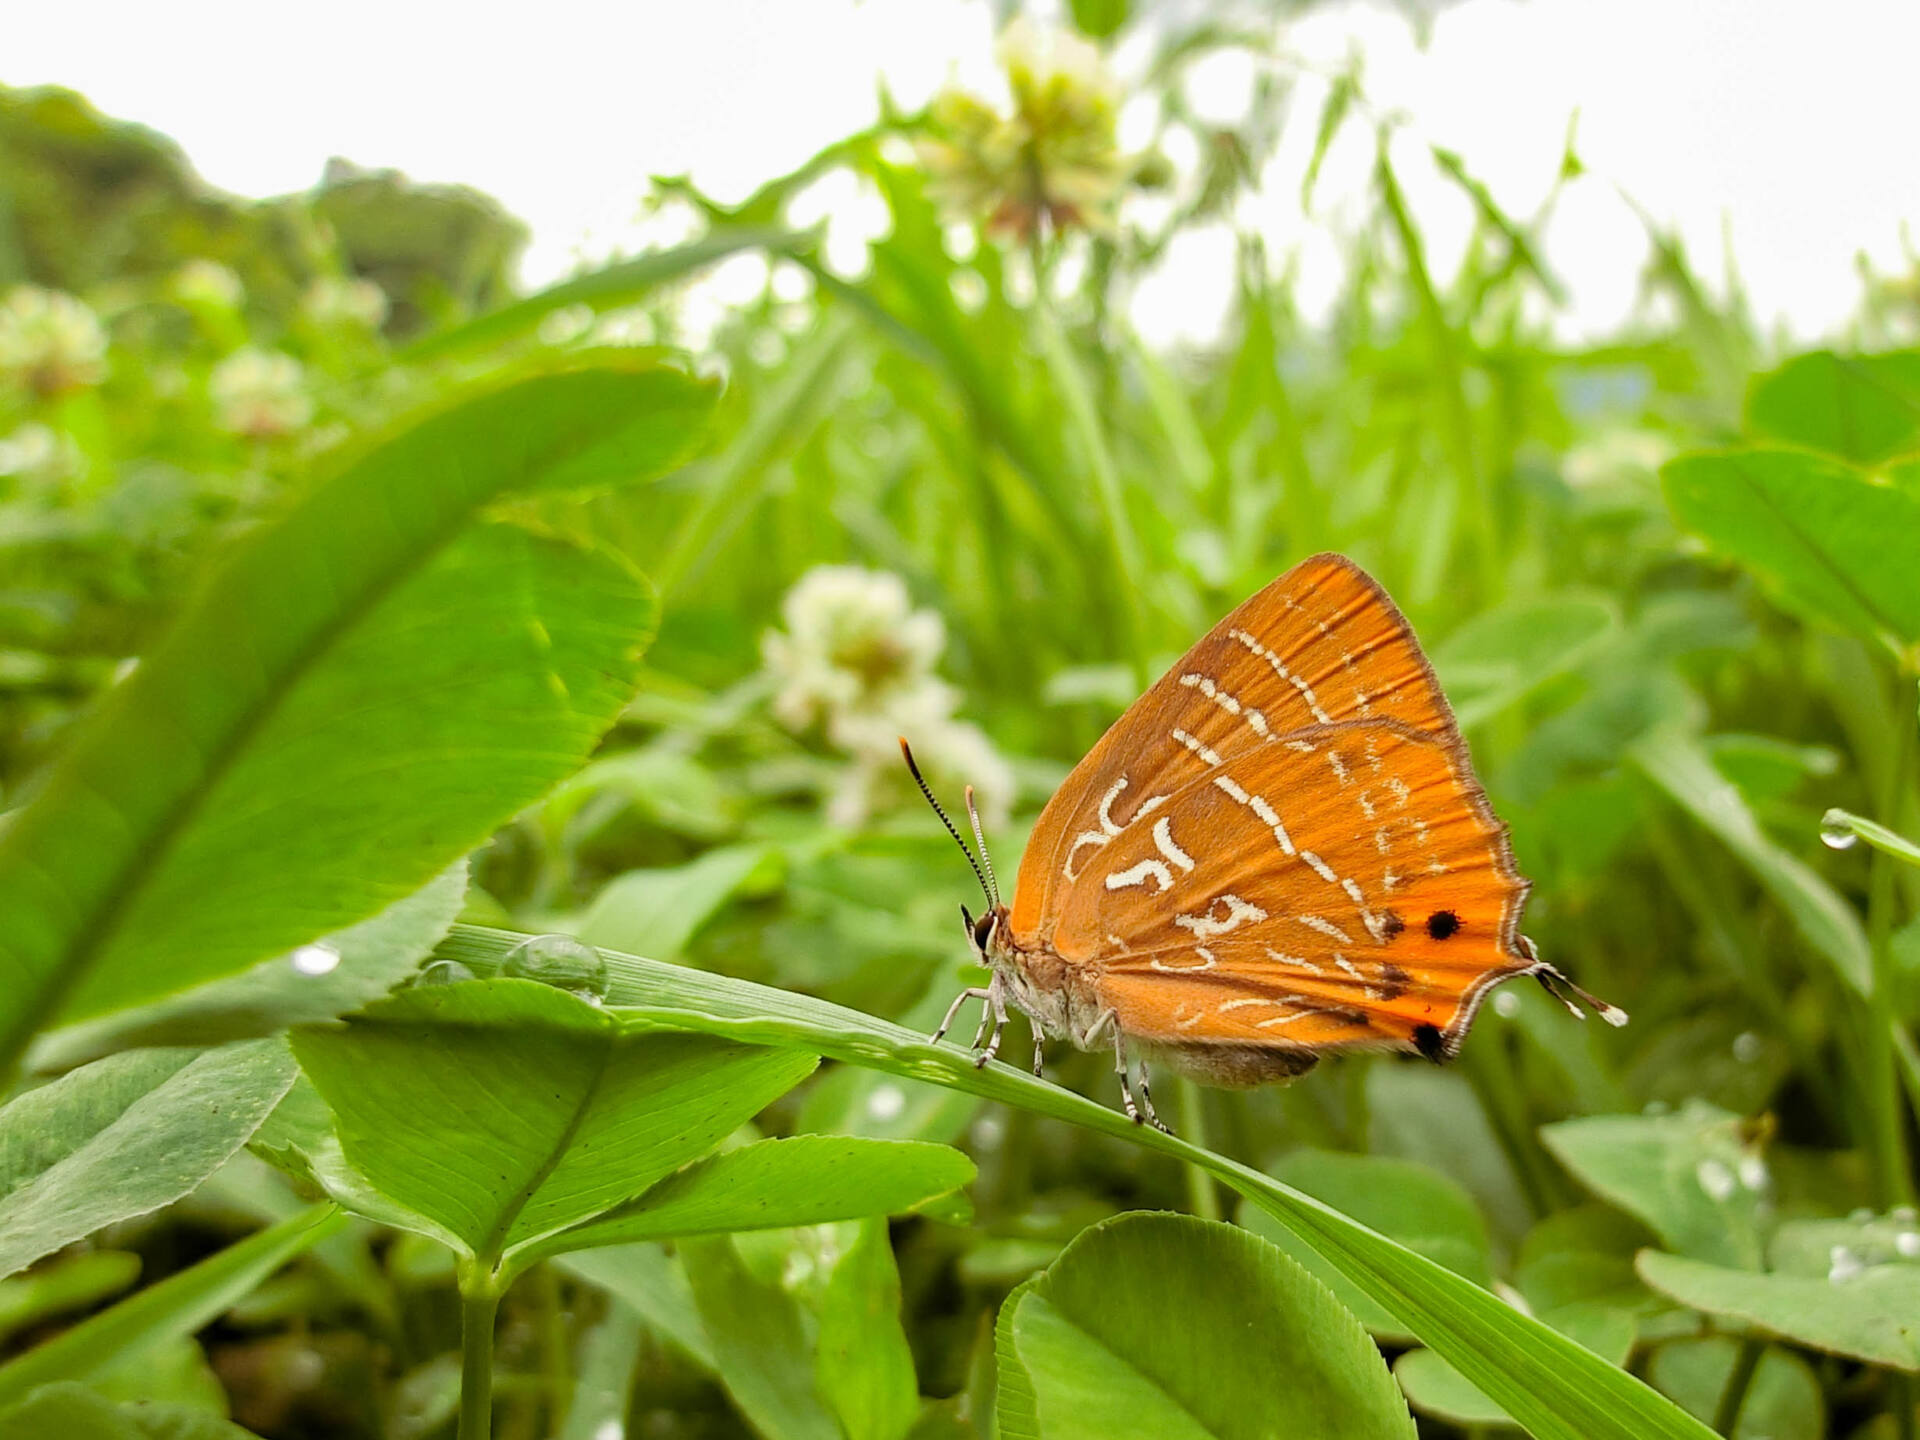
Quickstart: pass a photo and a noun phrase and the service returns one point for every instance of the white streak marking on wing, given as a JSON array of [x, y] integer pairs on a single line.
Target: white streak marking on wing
[[1353, 893], [1163, 838], [1388, 880], [1305, 747], [1339, 766], [1362, 701], [1256, 722], [1366, 803], [1325, 927], [1279, 1020], [1270, 818], [1381, 841], [1204, 926], [1206, 752], [1300, 961], [1231, 787], [1354, 970], [1107, 825], [1401, 794], [1280, 669], [1320, 867], [1140, 874], [1207, 962]]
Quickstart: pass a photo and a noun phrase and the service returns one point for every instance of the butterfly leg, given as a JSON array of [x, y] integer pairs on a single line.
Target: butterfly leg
[[1039, 1050], [997, 1012], [973, 992], [1146, 1103]]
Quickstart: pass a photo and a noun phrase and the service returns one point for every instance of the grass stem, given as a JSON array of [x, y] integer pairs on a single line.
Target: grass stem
[[1726, 1414]]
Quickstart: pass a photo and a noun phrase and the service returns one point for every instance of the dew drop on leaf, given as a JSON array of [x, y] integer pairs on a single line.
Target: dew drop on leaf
[[443, 972], [560, 961], [315, 959], [1842, 1265], [1836, 833], [886, 1102], [1716, 1178]]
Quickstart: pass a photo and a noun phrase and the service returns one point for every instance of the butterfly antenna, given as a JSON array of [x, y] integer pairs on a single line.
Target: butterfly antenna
[[980, 843], [906, 752]]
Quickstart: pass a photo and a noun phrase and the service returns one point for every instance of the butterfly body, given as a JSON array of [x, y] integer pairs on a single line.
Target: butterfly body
[[1278, 852]]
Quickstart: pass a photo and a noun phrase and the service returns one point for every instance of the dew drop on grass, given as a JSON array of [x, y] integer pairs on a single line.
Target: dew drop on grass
[[1747, 1047], [1716, 1178], [315, 959], [1842, 1265], [1753, 1173], [1907, 1244], [1835, 831], [443, 972], [560, 961]]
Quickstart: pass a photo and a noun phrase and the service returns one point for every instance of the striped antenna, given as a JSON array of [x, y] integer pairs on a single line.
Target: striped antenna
[[980, 841], [906, 752]]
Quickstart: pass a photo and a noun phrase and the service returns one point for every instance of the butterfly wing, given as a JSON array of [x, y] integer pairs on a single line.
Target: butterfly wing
[[1321, 645], [1341, 886]]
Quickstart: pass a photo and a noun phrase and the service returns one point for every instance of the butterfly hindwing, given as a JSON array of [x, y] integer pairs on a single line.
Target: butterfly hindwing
[[1339, 886]]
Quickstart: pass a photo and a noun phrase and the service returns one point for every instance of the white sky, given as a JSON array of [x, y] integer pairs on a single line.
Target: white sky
[[1785, 127]]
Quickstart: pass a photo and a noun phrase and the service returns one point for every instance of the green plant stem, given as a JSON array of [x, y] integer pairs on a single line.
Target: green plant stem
[[1727, 1413], [478, 1306], [1203, 1198], [555, 1363], [1893, 1181]]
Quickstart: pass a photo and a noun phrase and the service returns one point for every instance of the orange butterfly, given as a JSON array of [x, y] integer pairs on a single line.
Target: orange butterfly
[[1280, 850]]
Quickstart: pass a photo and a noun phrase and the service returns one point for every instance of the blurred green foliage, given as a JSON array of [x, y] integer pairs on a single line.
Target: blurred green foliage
[[1670, 580]]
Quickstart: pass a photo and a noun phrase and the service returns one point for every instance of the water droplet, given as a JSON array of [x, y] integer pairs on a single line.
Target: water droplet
[[1836, 830], [1861, 1216], [1506, 1004], [988, 1132], [1747, 1047], [443, 972], [886, 1102], [561, 961], [1753, 1172], [1842, 1265], [1907, 1244], [1716, 1178], [315, 959]]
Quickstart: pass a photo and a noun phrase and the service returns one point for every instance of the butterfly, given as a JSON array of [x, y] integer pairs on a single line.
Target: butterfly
[[1280, 851]]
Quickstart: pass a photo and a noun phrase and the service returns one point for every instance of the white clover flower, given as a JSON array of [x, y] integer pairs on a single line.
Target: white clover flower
[[331, 300], [858, 660], [1054, 161], [36, 452], [853, 640], [260, 393], [210, 284], [50, 342]]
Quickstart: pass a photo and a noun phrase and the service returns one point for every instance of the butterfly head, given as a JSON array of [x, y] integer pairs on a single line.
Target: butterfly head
[[988, 934]]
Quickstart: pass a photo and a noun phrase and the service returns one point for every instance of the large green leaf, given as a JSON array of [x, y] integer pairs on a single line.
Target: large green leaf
[[1680, 766], [1411, 1203], [368, 686], [507, 1111], [1872, 1315], [654, 1284], [1168, 1325], [763, 1343], [806, 1180], [1831, 544], [1690, 1176], [1553, 1386], [1863, 408], [331, 976], [864, 1368], [169, 1311], [124, 1136], [74, 1412]]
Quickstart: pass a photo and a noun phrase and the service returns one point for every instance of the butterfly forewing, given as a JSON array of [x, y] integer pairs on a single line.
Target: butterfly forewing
[[1322, 644], [1340, 886]]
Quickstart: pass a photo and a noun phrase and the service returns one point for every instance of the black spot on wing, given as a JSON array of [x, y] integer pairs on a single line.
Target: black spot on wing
[[1443, 924]]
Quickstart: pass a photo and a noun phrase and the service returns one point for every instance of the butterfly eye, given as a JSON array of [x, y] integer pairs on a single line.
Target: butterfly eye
[[983, 930]]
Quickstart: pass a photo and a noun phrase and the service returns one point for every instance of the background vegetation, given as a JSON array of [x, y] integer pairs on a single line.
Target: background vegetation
[[390, 541]]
